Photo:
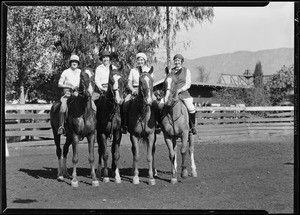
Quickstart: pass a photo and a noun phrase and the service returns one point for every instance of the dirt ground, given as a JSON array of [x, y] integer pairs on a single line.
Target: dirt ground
[[240, 175]]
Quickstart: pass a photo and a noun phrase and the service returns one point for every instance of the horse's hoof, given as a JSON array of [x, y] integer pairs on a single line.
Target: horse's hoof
[[173, 180], [136, 180], [106, 179], [74, 183], [60, 178], [118, 181], [184, 173], [95, 183], [194, 174], [151, 181]]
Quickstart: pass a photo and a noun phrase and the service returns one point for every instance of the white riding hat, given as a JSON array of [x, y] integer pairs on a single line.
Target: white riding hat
[[142, 55]]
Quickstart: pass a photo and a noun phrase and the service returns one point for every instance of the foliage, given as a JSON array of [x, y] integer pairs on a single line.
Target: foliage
[[281, 84], [248, 96], [174, 18], [28, 48], [203, 74], [258, 75]]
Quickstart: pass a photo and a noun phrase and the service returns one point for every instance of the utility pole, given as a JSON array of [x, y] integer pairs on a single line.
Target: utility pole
[[168, 36]]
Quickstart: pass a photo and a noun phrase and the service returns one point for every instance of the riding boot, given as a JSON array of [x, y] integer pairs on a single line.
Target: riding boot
[[61, 129], [124, 123], [192, 122]]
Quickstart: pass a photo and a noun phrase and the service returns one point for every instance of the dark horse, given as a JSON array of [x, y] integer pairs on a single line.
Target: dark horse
[[141, 124], [109, 123], [175, 124], [80, 123]]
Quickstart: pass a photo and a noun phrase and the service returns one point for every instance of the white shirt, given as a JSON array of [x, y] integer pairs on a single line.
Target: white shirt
[[102, 76], [70, 77], [134, 75]]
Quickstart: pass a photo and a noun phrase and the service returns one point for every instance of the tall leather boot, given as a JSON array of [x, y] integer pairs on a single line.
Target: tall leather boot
[[61, 129], [192, 122]]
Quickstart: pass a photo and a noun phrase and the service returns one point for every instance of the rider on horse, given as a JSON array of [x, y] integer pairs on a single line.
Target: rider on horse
[[69, 80], [133, 84], [102, 73], [184, 83]]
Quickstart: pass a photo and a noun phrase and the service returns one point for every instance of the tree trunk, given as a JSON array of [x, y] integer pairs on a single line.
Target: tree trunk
[[168, 36]]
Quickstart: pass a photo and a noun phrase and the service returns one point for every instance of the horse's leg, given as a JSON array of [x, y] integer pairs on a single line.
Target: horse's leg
[[60, 176], [91, 142], [136, 155], [191, 150], [100, 153], [184, 147], [105, 157], [65, 153], [115, 150], [75, 159], [153, 153], [150, 143], [172, 156]]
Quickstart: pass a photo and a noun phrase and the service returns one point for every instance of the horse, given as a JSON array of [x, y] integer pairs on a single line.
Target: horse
[[175, 124], [80, 123], [109, 123], [141, 125]]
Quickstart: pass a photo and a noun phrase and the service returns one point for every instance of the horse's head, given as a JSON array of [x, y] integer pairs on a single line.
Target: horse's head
[[146, 85], [116, 84], [86, 84], [170, 87]]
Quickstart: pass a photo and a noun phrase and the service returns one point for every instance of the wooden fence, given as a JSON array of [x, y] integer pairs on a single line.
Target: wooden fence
[[219, 122], [212, 122]]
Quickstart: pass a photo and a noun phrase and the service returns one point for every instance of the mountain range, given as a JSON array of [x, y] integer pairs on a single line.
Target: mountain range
[[233, 63]]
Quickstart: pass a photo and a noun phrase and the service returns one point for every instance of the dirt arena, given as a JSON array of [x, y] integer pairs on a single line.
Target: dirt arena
[[255, 174]]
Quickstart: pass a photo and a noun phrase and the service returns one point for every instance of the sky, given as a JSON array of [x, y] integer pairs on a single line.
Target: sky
[[238, 29]]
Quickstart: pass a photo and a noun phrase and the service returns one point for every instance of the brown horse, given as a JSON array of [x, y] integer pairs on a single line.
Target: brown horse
[[141, 125], [109, 123], [175, 124], [80, 123]]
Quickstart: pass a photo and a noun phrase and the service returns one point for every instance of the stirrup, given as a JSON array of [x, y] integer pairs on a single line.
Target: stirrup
[[61, 131], [124, 129], [157, 129], [193, 131]]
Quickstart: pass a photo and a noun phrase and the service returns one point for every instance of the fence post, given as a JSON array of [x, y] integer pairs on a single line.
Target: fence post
[[6, 149]]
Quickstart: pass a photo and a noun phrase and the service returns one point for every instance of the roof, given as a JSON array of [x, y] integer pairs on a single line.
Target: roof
[[199, 84]]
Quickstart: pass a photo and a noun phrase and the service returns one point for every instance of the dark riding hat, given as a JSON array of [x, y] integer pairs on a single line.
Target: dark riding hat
[[105, 54], [179, 56]]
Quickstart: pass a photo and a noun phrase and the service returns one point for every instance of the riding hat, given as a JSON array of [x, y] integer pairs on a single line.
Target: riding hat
[[142, 55], [105, 54], [179, 56], [74, 58]]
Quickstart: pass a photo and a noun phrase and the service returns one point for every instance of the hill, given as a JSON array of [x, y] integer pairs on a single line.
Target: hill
[[234, 63]]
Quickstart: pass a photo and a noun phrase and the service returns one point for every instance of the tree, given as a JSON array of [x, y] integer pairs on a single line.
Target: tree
[[176, 17], [281, 84], [28, 45], [258, 75], [203, 74]]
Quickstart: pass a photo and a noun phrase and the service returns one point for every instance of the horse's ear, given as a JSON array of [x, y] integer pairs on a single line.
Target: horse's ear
[[167, 70], [140, 70], [151, 70]]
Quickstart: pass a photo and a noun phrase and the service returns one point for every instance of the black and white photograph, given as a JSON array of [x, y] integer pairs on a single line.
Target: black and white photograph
[[154, 107]]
